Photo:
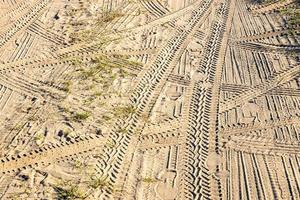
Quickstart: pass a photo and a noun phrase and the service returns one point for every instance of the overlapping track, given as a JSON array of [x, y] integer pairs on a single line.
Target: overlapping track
[[217, 143], [146, 92]]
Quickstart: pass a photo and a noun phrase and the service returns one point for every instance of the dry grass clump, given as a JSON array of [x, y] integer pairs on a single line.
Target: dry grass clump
[[122, 111], [66, 86], [149, 180], [81, 189], [292, 15], [68, 190], [81, 116], [98, 183], [108, 16], [94, 32]]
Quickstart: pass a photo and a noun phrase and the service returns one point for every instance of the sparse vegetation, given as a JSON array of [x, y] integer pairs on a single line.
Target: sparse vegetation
[[98, 183], [78, 164], [212, 66], [108, 16], [292, 15], [111, 144], [64, 109], [18, 127], [39, 137], [122, 111], [149, 180], [67, 190], [95, 32], [81, 116], [123, 130], [67, 86], [76, 61], [33, 118], [83, 189]]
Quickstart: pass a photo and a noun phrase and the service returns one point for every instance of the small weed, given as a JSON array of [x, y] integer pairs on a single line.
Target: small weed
[[106, 117], [149, 180], [108, 16], [64, 109], [18, 127], [81, 116], [124, 110], [39, 137], [111, 144], [69, 191], [97, 94], [98, 183], [123, 130], [67, 86], [33, 118], [76, 62]]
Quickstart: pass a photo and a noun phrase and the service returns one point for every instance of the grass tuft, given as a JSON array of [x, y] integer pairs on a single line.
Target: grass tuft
[[81, 116]]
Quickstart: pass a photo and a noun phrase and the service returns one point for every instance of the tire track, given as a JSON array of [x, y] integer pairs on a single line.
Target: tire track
[[19, 162], [23, 21], [238, 89], [272, 6], [144, 98], [277, 80], [202, 139], [270, 34], [49, 154], [259, 126]]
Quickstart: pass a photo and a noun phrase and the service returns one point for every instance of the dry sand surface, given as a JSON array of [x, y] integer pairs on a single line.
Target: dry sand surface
[[149, 100]]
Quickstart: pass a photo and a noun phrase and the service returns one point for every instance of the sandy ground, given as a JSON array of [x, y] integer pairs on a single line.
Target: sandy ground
[[148, 99]]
